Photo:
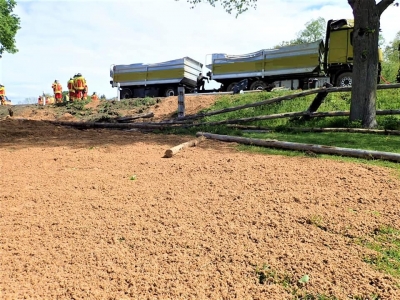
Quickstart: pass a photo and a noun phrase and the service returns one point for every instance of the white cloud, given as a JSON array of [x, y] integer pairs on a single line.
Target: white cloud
[[61, 38]]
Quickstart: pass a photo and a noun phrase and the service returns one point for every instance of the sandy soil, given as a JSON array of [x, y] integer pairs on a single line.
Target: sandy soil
[[100, 214]]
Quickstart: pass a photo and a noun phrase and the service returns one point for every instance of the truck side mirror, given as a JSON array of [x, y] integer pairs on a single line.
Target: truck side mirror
[[399, 47]]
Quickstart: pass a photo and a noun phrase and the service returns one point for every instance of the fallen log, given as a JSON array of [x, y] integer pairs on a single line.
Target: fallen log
[[321, 129], [290, 115], [172, 151], [282, 98], [359, 153], [134, 117], [87, 125]]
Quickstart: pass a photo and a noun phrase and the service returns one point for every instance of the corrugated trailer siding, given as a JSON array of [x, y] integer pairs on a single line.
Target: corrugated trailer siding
[[173, 71], [287, 60]]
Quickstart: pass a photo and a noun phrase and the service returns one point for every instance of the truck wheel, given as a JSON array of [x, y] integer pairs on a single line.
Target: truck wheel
[[169, 92], [125, 94], [344, 79], [258, 85], [230, 87]]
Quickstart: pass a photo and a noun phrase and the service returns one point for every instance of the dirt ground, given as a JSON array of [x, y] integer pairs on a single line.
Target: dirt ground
[[100, 214]]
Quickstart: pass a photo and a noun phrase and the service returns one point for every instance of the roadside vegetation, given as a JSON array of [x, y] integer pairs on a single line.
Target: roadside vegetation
[[287, 129]]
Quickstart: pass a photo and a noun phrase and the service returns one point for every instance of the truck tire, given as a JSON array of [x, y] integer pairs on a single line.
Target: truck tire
[[125, 94], [230, 87], [344, 79], [170, 91], [258, 85]]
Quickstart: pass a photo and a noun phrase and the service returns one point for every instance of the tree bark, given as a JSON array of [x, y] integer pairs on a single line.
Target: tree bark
[[365, 64]]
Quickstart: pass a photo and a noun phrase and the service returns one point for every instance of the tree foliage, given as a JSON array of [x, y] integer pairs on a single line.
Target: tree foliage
[[9, 25], [390, 65], [230, 6], [314, 31]]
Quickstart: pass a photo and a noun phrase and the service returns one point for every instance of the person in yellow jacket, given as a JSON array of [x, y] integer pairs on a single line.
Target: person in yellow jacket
[[71, 91], [2, 95], [79, 86], [57, 89]]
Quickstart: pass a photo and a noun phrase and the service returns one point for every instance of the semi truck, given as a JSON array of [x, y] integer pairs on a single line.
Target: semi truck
[[294, 65], [332, 61]]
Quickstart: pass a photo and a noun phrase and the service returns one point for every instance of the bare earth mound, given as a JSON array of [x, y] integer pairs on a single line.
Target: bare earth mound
[[97, 214]]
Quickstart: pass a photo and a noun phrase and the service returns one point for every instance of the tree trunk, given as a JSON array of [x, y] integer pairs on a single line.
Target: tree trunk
[[365, 69]]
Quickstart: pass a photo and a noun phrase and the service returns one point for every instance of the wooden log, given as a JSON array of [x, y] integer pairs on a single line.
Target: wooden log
[[319, 129], [315, 104], [351, 130], [255, 131], [359, 153], [111, 125], [290, 115], [134, 117], [282, 98], [172, 151]]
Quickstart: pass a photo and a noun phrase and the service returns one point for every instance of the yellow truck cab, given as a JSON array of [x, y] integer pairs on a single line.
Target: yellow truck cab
[[338, 59]]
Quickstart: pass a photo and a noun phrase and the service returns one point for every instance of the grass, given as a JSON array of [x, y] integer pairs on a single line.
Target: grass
[[297, 288], [386, 99], [386, 243]]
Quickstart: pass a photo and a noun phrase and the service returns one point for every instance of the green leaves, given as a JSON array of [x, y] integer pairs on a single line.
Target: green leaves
[[9, 25], [235, 6]]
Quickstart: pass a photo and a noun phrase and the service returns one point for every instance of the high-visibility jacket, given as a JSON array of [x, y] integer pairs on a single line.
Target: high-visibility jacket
[[2, 91], [57, 88], [70, 85], [79, 83]]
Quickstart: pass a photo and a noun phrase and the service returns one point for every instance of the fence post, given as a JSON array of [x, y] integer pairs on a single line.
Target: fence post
[[118, 90], [181, 102]]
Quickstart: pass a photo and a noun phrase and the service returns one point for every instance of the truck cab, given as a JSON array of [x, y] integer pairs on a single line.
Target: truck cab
[[338, 58]]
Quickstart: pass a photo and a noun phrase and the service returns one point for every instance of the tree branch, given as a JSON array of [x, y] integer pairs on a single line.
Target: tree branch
[[383, 5]]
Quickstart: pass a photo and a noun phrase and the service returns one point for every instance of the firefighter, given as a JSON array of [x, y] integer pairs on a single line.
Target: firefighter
[[94, 97], [79, 86], [201, 81], [85, 92], [71, 91], [57, 89], [2, 94]]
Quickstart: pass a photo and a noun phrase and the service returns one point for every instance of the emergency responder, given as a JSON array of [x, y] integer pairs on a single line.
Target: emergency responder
[[79, 86], [71, 91], [57, 89], [201, 81], [2, 94], [94, 97], [85, 92]]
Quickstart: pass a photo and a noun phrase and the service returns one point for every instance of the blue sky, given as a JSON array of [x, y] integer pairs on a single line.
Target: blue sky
[[61, 38]]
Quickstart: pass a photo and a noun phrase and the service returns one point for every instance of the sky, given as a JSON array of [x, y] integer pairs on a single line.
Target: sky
[[58, 39]]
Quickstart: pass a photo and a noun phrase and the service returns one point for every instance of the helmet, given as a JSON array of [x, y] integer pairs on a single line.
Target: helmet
[[79, 74]]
